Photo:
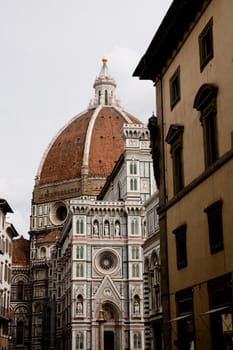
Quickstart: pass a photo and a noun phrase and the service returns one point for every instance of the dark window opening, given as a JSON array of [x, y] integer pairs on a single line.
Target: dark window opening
[[220, 296], [185, 332], [214, 213], [205, 102], [175, 88], [175, 139], [106, 97], [20, 291], [181, 249], [178, 170], [206, 44], [19, 332], [210, 138]]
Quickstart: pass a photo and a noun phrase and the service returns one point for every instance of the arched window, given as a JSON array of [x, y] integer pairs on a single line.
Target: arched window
[[137, 341], [79, 341], [133, 185], [79, 252], [79, 270], [99, 96], [43, 252], [134, 226], [20, 291], [19, 332], [80, 226], [133, 168], [106, 97], [135, 270], [135, 252]]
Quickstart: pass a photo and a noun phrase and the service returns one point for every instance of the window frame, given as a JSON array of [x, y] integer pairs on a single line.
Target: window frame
[[80, 252], [135, 270], [181, 246], [79, 270], [133, 184], [215, 226], [206, 45], [133, 168], [175, 139], [174, 85], [137, 340], [206, 103], [210, 136], [80, 226], [79, 341]]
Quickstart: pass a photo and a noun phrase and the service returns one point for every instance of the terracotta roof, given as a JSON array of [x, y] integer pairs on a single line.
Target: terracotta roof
[[84, 152], [21, 251], [50, 237], [64, 157]]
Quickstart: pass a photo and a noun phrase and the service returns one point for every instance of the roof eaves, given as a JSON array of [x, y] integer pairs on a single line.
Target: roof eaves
[[5, 206], [170, 32]]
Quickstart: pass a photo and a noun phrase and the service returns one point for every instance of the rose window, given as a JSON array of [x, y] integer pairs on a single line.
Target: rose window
[[107, 261]]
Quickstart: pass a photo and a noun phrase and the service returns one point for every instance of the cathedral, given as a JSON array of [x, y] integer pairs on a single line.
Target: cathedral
[[77, 284]]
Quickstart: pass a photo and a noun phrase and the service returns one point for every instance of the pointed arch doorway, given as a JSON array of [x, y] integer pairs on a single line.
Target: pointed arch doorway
[[111, 327]]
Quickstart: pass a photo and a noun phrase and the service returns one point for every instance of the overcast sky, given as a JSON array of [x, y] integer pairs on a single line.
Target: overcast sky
[[51, 53]]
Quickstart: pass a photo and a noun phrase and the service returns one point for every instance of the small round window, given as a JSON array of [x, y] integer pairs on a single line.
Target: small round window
[[58, 213]]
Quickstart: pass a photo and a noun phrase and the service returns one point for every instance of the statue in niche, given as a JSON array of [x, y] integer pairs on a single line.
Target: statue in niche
[[106, 228], [136, 306], [79, 308], [96, 228], [117, 229]]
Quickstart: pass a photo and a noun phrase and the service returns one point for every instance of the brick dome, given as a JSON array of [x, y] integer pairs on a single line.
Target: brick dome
[[92, 141], [84, 152]]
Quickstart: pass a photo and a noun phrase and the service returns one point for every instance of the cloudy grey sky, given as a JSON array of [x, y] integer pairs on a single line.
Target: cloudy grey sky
[[51, 53]]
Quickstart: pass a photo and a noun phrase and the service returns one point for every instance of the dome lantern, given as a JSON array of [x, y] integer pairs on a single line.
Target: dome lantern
[[105, 88]]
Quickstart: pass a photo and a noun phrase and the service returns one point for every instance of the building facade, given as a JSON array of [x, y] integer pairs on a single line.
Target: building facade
[[103, 278], [21, 293], [152, 277], [7, 233], [190, 60], [88, 225]]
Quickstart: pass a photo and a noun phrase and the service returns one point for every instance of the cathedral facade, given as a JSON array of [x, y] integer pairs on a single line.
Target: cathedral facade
[[82, 287]]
